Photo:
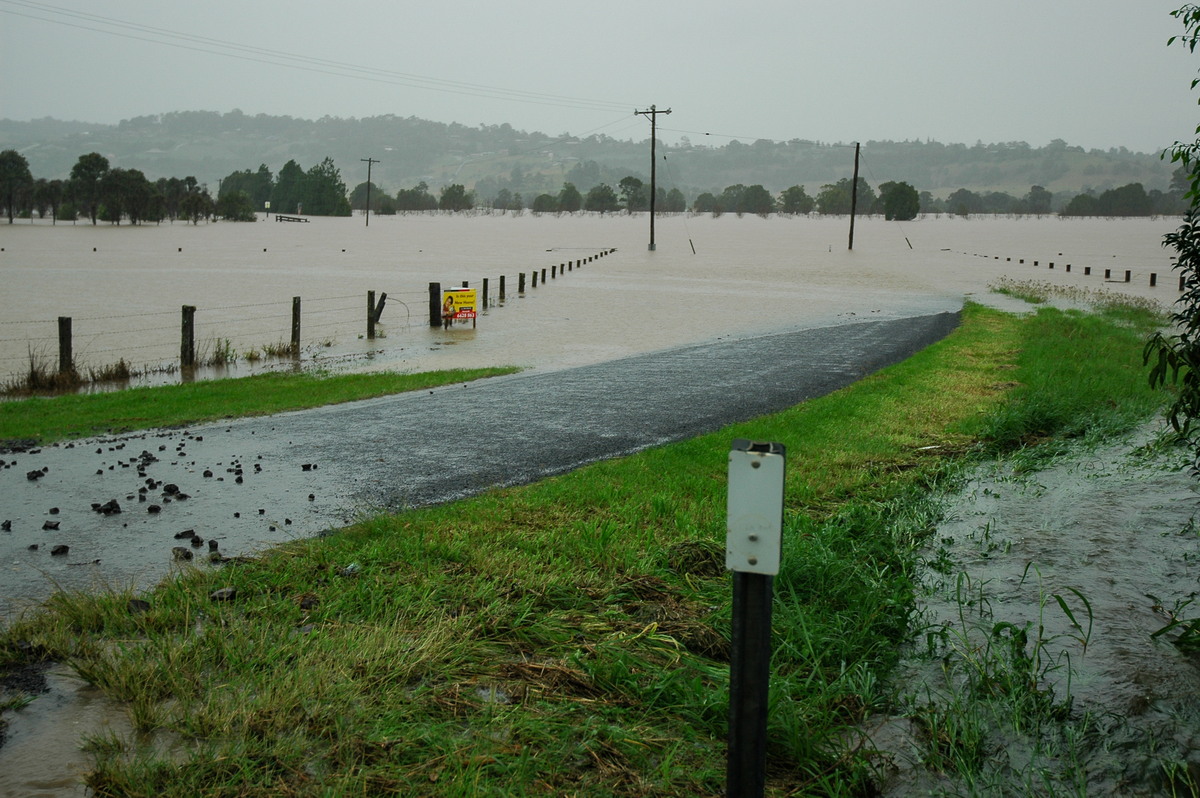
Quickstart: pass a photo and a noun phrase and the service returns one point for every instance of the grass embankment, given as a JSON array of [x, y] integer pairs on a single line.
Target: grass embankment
[[46, 420], [571, 637]]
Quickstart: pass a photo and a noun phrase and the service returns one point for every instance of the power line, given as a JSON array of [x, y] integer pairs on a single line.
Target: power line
[[204, 44]]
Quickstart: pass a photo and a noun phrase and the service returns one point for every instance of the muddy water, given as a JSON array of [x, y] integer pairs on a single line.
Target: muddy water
[[1115, 526], [123, 287]]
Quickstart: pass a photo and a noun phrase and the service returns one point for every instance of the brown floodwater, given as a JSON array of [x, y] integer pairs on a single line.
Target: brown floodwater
[[123, 287]]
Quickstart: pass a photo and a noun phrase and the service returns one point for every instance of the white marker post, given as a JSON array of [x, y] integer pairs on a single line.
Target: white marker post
[[753, 545]]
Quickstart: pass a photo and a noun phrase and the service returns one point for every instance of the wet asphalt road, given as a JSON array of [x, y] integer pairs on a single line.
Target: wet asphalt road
[[254, 482]]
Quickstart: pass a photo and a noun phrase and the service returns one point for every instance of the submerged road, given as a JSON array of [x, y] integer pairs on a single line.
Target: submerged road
[[253, 482]]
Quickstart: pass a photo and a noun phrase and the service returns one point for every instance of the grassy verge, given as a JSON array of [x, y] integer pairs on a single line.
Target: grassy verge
[[571, 637], [46, 420]]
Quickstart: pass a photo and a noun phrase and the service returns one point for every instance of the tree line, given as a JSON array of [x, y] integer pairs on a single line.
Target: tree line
[[97, 191]]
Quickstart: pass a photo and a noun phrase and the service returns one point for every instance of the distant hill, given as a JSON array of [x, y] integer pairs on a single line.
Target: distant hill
[[210, 145]]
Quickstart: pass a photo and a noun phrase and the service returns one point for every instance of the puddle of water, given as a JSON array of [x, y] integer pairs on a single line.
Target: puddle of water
[[42, 755], [1110, 710]]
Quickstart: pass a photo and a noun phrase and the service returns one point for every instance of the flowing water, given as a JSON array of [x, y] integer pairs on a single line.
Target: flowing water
[[1108, 526], [1086, 559]]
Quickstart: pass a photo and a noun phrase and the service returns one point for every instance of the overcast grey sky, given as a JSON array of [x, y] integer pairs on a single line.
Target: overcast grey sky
[[1096, 73]]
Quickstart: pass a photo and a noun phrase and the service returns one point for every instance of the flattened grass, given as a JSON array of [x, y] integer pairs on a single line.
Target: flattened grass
[[568, 637], [47, 420]]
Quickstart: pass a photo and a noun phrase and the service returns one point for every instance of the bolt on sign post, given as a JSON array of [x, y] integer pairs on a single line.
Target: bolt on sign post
[[753, 546], [458, 304]]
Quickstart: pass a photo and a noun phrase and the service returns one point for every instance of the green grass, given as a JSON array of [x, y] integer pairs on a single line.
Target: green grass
[[46, 420], [571, 637]]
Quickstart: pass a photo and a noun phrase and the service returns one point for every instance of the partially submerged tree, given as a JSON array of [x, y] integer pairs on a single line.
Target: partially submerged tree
[[1176, 357], [15, 180]]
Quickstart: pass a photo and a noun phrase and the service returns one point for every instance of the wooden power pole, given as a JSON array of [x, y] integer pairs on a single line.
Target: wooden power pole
[[368, 162], [653, 114], [854, 194]]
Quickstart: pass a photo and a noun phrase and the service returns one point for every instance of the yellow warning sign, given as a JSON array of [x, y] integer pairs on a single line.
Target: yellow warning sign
[[458, 303]]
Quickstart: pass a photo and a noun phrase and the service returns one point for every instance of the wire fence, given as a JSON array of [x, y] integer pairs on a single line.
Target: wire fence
[[159, 340]]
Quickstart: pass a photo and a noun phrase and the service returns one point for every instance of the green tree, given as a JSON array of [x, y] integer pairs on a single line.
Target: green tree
[[964, 202], [836, 198], [796, 200], [601, 198], [757, 200], [569, 199], [16, 180], [900, 201], [1082, 205], [256, 185], [633, 193], [323, 192], [416, 198], [675, 202], [86, 175], [288, 192], [1175, 357], [358, 197], [455, 197], [503, 200], [545, 203], [235, 207], [706, 202], [1037, 201]]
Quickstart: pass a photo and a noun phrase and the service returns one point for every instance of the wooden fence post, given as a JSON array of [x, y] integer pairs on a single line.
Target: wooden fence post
[[187, 342], [543, 275], [66, 362], [535, 278], [1128, 275], [483, 299], [521, 283], [435, 304], [1153, 279], [295, 326], [370, 315], [502, 288]]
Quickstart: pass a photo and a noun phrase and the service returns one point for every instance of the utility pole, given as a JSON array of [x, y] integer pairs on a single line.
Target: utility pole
[[854, 194], [368, 162], [653, 114]]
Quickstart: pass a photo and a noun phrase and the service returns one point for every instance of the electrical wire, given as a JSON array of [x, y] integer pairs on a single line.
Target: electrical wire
[[204, 44]]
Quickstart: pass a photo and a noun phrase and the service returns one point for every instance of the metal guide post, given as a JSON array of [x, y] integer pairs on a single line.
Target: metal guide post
[[753, 544]]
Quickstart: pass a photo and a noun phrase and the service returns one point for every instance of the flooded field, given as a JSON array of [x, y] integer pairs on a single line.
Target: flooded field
[[124, 287]]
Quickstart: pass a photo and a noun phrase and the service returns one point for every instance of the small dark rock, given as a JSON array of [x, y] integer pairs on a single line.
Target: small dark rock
[[308, 602], [99, 471], [59, 550], [197, 541], [187, 533], [35, 475], [237, 515], [6, 526], [170, 488], [207, 474], [50, 526], [262, 511], [53, 511], [224, 594], [238, 480], [33, 547], [153, 509], [306, 467], [311, 497], [212, 544], [180, 553]]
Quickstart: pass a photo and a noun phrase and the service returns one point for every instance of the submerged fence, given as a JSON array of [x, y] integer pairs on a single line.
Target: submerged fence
[[280, 329]]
